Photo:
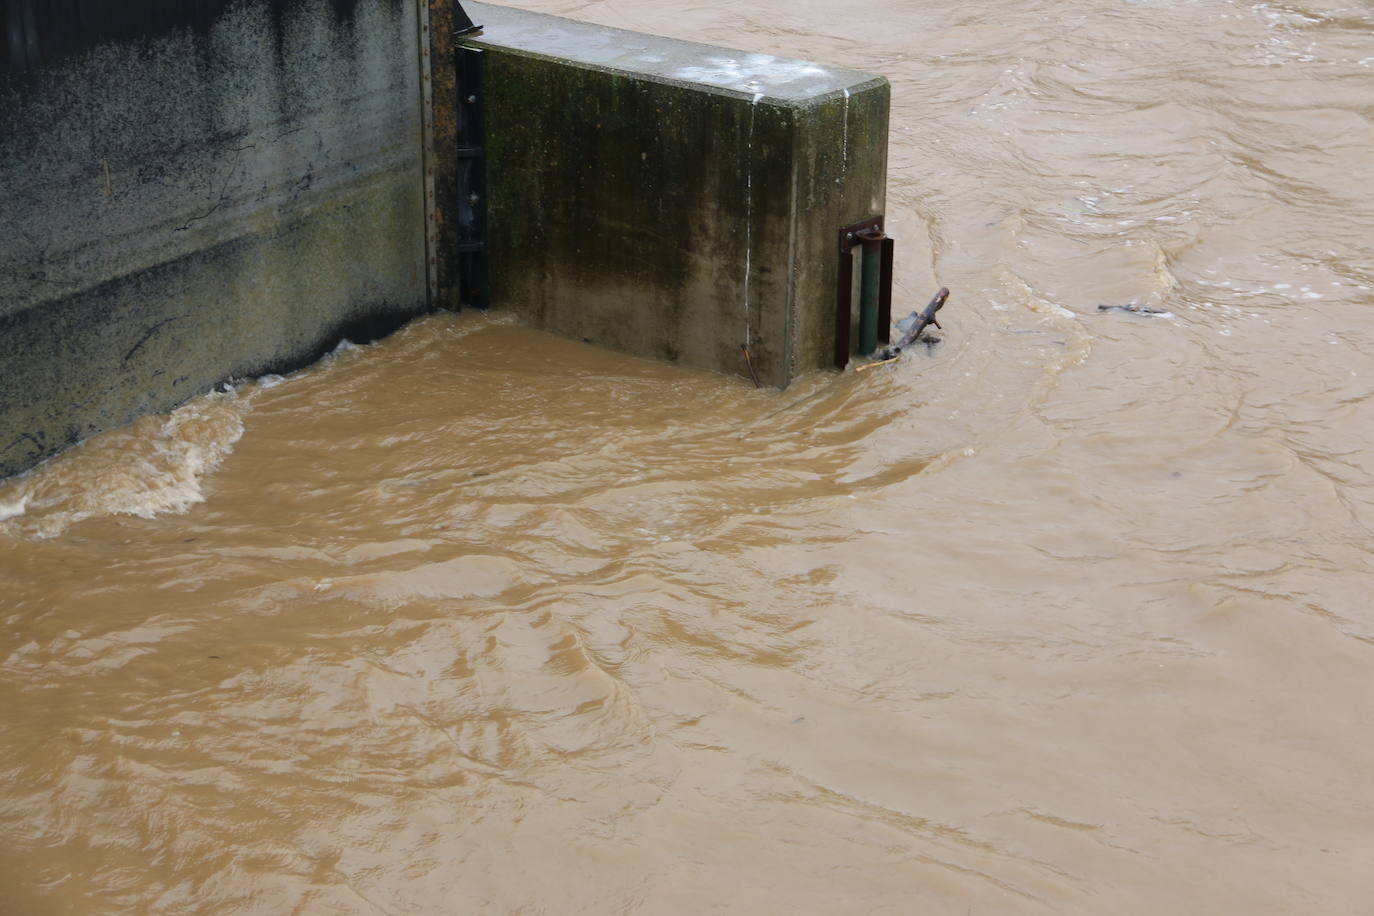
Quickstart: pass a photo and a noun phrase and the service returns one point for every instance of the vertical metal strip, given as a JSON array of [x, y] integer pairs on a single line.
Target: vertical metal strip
[[844, 299], [885, 293], [470, 207], [427, 156], [865, 234], [869, 294]]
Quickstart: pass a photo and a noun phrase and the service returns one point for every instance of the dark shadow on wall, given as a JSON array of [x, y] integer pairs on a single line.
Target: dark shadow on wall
[[39, 33]]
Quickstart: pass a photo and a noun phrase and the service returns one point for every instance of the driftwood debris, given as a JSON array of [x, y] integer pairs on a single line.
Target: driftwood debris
[[926, 319], [864, 367], [922, 321], [1133, 309]]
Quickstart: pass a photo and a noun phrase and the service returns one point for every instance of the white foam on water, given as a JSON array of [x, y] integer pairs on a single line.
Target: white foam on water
[[14, 508], [152, 467], [346, 346]]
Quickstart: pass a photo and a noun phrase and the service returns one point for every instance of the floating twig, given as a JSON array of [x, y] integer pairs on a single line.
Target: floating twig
[[924, 320], [1133, 309], [882, 362]]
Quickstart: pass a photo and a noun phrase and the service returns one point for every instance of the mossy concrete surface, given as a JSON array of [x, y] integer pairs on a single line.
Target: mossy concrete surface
[[227, 197], [670, 199]]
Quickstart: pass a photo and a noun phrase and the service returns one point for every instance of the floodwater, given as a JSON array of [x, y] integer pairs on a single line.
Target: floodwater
[[1072, 614]]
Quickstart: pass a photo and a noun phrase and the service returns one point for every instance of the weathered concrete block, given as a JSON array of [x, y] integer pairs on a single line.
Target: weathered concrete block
[[191, 192], [674, 200]]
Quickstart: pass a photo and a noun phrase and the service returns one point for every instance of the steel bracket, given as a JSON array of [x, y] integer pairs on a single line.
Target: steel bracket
[[869, 234]]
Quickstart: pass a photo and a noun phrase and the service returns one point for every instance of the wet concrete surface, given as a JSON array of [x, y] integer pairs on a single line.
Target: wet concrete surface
[[217, 192]]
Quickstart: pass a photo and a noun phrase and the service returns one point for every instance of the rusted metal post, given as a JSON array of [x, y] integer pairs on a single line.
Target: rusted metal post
[[879, 286], [875, 290]]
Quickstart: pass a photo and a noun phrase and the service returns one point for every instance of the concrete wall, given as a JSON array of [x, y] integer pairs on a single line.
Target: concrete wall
[[674, 200], [192, 190]]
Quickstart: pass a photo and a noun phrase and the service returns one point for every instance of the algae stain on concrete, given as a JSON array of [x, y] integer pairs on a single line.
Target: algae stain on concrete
[[659, 197]]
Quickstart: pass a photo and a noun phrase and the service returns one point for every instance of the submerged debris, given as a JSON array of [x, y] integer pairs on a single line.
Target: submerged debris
[[911, 327], [1134, 309]]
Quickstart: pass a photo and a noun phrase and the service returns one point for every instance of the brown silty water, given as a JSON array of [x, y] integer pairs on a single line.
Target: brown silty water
[[1068, 614]]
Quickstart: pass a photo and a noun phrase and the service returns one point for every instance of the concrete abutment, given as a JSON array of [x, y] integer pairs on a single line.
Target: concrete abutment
[[223, 189]]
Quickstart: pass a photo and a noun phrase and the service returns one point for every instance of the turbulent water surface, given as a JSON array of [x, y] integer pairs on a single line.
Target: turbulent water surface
[[1071, 614]]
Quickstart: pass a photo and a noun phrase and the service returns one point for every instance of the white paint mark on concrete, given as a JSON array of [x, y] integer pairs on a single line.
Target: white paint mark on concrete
[[844, 148], [749, 213]]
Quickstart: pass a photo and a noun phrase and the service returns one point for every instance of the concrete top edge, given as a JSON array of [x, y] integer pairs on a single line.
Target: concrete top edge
[[761, 76]]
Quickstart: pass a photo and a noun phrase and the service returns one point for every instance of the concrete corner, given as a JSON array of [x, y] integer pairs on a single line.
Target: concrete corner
[[674, 200]]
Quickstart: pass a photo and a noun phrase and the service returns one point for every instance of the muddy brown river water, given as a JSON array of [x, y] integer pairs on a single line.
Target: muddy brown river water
[[1072, 614]]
